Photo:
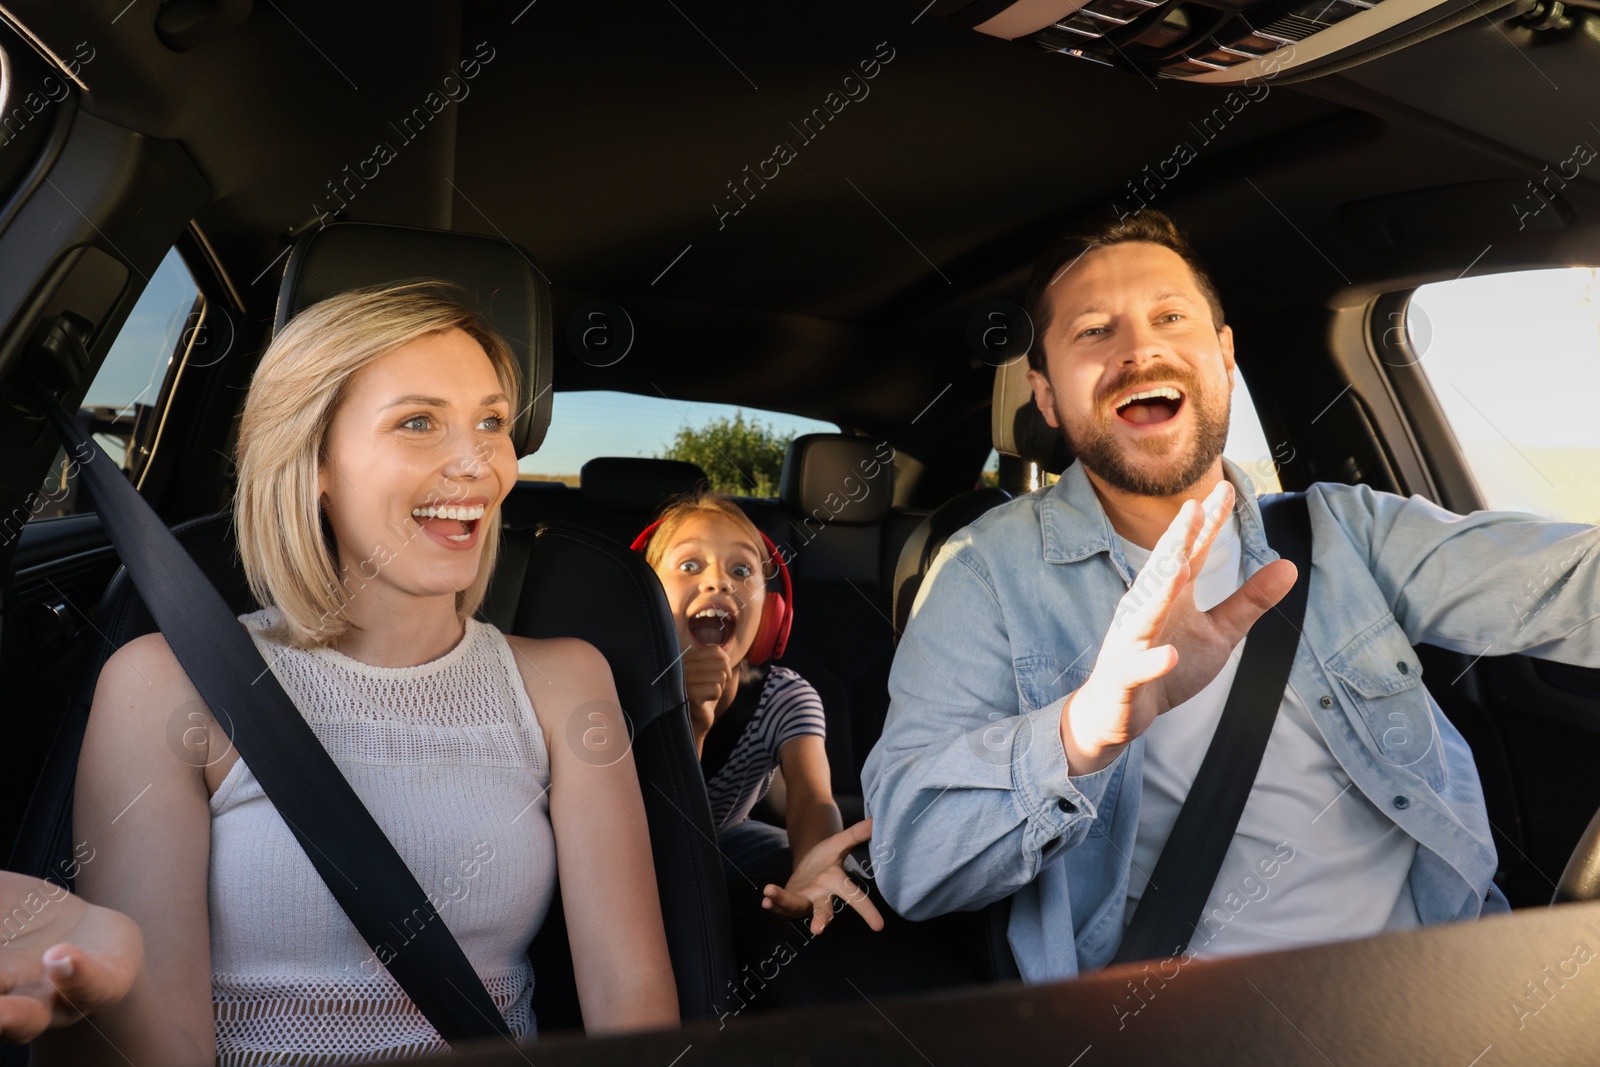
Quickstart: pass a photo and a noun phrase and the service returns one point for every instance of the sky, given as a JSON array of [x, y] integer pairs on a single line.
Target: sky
[[588, 424], [1514, 360], [1523, 349], [137, 364]]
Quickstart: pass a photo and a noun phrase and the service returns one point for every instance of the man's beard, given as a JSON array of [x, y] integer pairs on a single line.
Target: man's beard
[[1101, 453]]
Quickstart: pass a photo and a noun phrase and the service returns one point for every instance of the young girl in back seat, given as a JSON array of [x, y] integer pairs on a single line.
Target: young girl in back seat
[[749, 717]]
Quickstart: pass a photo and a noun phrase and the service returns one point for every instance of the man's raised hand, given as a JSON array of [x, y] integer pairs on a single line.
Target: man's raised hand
[[1161, 649]]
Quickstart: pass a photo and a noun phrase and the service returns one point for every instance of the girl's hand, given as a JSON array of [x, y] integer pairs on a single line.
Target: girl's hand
[[819, 877], [66, 960], [707, 674]]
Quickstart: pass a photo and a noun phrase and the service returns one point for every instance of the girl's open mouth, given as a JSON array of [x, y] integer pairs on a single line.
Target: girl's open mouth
[[1151, 407], [713, 625]]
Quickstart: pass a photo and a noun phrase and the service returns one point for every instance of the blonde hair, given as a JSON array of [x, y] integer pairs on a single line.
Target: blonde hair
[[699, 502], [300, 383]]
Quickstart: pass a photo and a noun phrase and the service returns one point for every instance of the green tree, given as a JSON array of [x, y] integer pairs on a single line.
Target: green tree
[[741, 457]]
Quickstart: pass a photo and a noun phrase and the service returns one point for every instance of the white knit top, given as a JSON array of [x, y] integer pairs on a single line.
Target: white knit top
[[450, 760]]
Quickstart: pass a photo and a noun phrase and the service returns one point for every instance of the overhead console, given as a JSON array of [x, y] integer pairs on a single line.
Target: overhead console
[[1215, 41]]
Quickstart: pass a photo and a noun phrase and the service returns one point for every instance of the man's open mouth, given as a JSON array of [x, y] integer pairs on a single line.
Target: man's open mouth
[[452, 522], [713, 625], [1150, 407]]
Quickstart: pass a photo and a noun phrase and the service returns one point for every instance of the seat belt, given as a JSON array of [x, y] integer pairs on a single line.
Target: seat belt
[[344, 843], [1166, 916], [723, 737]]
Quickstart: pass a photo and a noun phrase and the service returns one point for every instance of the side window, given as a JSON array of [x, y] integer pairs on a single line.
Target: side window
[[1247, 442], [1514, 360], [740, 449], [123, 406]]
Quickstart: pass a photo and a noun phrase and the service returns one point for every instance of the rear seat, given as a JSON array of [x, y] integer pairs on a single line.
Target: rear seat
[[616, 495], [835, 525]]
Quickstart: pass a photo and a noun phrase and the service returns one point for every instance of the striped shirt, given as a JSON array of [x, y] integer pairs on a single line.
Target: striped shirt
[[788, 708]]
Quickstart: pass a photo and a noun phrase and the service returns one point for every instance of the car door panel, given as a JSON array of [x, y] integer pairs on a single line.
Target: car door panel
[[81, 241]]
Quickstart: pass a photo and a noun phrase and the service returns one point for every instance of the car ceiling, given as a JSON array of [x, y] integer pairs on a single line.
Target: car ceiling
[[599, 137]]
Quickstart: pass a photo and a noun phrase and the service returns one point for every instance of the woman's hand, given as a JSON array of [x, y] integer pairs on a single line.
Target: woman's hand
[[819, 877], [707, 674], [66, 960]]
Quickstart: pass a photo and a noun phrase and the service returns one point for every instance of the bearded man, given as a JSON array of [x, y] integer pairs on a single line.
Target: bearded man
[[1070, 653]]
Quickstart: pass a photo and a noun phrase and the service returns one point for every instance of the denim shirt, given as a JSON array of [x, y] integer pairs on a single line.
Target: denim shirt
[[969, 787]]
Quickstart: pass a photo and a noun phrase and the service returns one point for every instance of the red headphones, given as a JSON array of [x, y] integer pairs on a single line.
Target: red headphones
[[777, 608]]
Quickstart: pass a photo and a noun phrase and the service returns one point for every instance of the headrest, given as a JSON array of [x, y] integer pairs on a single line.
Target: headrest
[[848, 479], [1016, 426], [622, 483], [501, 282]]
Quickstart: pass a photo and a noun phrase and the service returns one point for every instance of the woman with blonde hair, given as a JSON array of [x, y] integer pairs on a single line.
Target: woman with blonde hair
[[374, 453]]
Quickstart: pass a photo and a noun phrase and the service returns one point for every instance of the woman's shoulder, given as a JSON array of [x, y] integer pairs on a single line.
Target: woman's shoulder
[[147, 659], [563, 653], [265, 626], [568, 669], [143, 693], [574, 698], [259, 619]]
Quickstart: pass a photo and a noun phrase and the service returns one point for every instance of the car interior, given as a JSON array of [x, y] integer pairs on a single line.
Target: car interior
[[809, 212]]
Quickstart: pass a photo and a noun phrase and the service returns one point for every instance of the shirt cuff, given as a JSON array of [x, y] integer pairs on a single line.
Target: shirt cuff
[[1053, 800]]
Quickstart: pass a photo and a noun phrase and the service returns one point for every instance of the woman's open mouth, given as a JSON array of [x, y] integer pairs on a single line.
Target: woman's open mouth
[[455, 524], [1150, 407], [713, 625]]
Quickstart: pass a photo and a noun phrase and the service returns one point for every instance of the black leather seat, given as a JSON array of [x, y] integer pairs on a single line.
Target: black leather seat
[[978, 938], [927, 537], [1017, 429], [549, 581], [836, 526], [615, 495], [561, 581]]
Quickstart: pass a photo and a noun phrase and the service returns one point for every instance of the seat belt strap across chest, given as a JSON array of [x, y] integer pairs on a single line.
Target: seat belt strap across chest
[[344, 842], [1186, 872]]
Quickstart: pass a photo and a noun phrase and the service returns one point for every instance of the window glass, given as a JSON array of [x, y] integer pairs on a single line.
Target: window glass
[[1247, 442], [1514, 360], [740, 449], [120, 407], [990, 476]]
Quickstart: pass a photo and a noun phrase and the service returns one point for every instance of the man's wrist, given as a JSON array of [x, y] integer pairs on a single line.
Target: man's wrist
[[1084, 755]]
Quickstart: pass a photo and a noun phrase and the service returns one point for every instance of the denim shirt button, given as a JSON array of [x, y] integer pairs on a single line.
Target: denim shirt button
[[1402, 802], [1066, 805], [1405, 668], [1327, 702]]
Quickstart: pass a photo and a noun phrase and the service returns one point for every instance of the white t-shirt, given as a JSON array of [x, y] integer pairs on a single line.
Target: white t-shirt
[[1312, 860]]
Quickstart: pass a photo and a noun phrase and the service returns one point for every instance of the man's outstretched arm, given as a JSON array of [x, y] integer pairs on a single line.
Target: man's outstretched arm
[[1488, 583]]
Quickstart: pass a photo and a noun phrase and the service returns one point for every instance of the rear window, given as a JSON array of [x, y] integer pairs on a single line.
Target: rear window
[[740, 448], [1514, 360]]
